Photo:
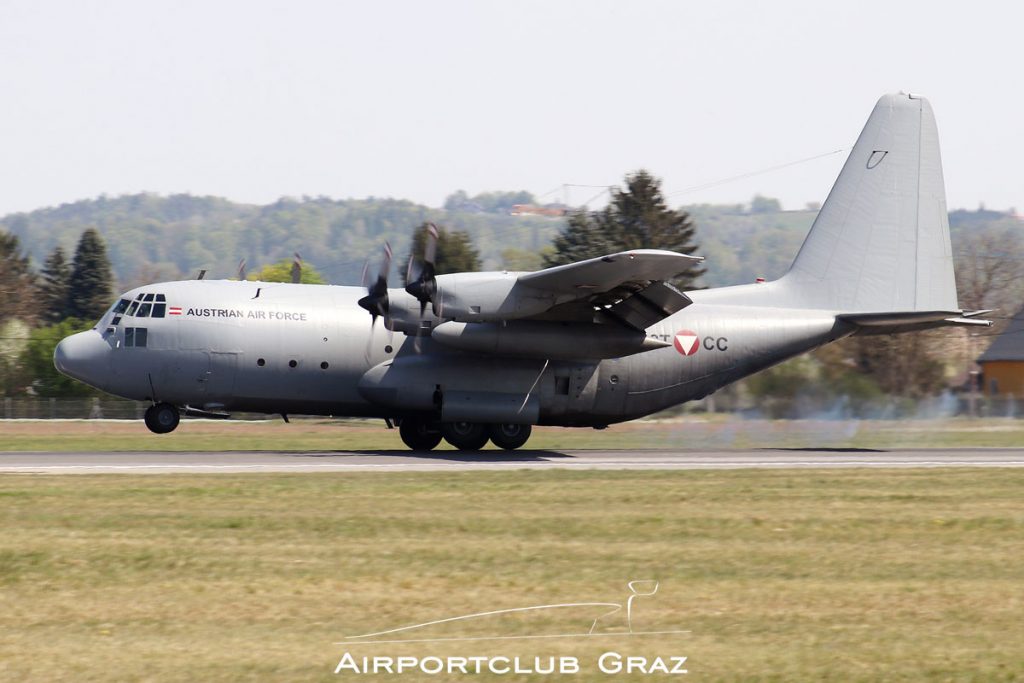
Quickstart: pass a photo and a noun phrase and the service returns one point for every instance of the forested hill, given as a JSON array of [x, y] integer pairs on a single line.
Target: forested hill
[[150, 237]]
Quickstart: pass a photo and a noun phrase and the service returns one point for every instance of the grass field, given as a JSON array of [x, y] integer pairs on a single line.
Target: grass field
[[694, 432], [791, 576]]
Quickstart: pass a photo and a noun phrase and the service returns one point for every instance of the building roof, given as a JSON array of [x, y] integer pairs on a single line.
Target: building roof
[[1010, 344]]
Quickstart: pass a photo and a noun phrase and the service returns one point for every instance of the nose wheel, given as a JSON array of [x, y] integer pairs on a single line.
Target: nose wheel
[[162, 418]]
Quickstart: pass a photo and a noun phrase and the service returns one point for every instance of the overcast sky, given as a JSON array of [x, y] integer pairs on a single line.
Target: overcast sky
[[254, 100]]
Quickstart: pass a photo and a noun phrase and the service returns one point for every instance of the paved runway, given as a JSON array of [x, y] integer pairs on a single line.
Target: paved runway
[[404, 461]]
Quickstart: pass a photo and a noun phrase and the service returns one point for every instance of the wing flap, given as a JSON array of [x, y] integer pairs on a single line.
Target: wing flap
[[649, 305]]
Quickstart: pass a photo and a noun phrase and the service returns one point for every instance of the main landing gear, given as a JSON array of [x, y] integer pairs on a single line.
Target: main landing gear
[[423, 435], [162, 418]]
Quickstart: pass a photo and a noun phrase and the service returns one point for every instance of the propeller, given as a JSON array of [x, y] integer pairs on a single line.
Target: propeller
[[241, 270], [424, 287], [297, 269], [376, 299]]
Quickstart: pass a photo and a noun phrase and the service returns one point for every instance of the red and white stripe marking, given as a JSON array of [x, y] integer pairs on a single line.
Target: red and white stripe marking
[[174, 310]]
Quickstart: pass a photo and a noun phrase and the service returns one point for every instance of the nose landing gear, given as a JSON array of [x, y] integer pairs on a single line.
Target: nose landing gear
[[162, 418]]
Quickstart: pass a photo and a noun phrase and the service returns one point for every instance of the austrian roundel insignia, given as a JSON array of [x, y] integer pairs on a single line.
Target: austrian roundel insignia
[[687, 342]]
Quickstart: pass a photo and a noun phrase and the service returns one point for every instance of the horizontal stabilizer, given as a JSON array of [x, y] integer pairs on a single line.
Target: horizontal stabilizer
[[891, 322]]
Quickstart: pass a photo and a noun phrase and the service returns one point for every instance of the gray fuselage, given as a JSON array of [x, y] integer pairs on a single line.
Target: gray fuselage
[[309, 349]]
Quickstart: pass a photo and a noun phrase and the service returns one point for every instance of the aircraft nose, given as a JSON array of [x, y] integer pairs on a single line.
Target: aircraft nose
[[83, 357]]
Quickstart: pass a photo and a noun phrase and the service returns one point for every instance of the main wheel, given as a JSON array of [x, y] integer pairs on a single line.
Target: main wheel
[[419, 435], [466, 436], [162, 418], [509, 436]]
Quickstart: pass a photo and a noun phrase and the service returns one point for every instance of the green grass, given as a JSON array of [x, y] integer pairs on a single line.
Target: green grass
[[693, 432], [818, 576]]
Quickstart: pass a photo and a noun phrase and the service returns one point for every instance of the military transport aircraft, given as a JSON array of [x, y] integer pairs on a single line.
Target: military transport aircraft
[[472, 357]]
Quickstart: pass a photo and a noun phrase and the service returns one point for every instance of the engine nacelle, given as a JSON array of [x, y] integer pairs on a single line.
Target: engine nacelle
[[549, 340], [470, 297]]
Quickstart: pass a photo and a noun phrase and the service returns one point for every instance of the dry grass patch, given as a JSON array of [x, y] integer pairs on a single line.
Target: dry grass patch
[[845, 575]]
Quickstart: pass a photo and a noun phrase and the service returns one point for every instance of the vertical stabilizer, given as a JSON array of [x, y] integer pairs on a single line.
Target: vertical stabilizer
[[881, 240]]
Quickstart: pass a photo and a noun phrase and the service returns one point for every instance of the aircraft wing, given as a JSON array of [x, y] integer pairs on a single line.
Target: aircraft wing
[[604, 273], [629, 287]]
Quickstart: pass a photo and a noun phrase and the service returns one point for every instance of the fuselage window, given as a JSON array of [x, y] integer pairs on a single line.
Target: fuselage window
[[121, 306], [159, 309], [131, 309], [148, 297], [144, 310]]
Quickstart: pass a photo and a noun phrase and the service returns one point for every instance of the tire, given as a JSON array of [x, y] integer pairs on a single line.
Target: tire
[[162, 418], [466, 436], [419, 435], [509, 436]]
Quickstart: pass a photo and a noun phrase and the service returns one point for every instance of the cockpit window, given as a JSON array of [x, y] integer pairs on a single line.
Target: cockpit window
[[141, 307]]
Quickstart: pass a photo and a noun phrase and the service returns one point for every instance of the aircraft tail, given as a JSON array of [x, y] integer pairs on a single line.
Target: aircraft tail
[[881, 241]]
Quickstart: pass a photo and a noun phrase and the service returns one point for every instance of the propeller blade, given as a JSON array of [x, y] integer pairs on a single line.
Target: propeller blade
[[241, 269], [376, 299], [424, 287], [430, 249], [297, 269]]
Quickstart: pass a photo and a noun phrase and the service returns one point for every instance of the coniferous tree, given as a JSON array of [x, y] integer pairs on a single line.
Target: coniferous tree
[[53, 287], [635, 218], [16, 280], [90, 287], [455, 251]]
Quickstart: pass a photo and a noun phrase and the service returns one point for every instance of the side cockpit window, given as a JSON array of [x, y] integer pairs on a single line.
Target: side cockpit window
[[136, 337], [121, 306]]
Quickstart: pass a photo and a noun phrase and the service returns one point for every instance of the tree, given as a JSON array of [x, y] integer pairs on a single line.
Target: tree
[[90, 288], [455, 251], [635, 218], [989, 269], [282, 272], [16, 280], [53, 288], [37, 360]]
